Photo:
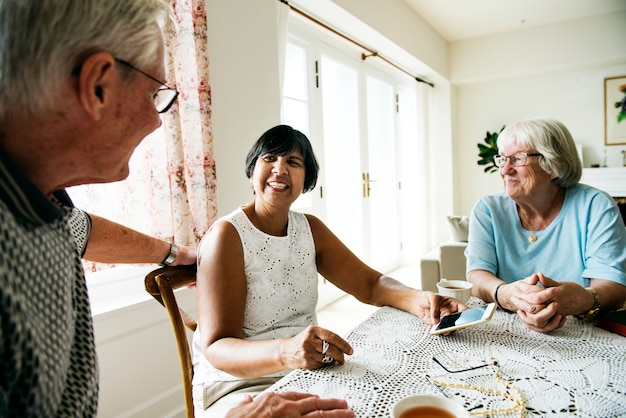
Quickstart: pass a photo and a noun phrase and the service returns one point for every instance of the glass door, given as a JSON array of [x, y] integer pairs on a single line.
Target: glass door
[[339, 85], [358, 113], [379, 175], [350, 112]]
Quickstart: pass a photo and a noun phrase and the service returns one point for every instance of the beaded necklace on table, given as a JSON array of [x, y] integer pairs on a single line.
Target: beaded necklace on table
[[518, 399]]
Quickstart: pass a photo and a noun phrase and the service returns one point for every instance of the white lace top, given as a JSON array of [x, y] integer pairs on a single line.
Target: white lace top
[[282, 282]]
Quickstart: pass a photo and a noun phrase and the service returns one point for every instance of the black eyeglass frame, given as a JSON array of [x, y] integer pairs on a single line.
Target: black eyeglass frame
[[498, 157], [165, 88]]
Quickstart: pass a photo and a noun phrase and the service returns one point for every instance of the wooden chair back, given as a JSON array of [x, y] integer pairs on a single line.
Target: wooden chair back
[[161, 284]]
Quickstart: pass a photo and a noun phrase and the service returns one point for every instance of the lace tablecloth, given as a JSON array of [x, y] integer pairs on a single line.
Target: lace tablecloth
[[578, 371]]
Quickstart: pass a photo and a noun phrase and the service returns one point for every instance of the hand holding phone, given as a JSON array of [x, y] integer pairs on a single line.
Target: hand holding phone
[[464, 319]]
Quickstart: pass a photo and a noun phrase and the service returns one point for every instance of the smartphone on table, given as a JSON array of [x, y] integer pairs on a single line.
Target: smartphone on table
[[464, 319]]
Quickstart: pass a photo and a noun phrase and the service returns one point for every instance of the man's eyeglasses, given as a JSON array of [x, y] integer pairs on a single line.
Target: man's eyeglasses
[[517, 160], [164, 97]]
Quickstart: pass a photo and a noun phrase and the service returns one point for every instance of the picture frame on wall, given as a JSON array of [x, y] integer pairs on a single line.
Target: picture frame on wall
[[614, 99]]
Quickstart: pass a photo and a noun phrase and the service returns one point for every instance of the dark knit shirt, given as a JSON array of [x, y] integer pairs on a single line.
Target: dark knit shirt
[[48, 365]]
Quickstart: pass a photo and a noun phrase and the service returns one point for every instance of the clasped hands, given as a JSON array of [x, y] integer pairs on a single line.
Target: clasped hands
[[542, 303]]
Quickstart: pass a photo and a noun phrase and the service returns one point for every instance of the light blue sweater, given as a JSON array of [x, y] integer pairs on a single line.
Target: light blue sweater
[[586, 240]]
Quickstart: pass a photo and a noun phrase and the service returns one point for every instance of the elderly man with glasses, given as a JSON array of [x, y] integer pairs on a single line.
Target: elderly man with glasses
[[81, 87], [547, 247]]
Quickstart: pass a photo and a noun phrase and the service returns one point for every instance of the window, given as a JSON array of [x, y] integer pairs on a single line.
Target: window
[[355, 116], [171, 190]]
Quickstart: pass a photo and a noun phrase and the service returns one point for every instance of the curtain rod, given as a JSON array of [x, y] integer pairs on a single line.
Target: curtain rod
[[364, 56]]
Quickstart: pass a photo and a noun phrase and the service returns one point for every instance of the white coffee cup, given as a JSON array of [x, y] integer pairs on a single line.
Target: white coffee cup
[[449, 407], [458, 289]]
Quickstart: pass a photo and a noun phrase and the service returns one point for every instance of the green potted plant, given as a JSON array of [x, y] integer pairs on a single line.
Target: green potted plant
[[488, 150]]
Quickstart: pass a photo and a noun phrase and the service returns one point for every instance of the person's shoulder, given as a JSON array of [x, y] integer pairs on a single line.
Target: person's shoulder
[[312, 219], [585, 188], [225, 224], [496, 200], [316, 224], [585, 192], [221, 231], [220, 225]]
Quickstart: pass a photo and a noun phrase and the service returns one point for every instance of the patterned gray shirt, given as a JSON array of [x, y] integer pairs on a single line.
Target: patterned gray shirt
[[48, 365]]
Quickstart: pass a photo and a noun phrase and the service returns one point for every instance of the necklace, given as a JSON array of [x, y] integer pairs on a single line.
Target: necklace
[[518, 399], [527, 223]]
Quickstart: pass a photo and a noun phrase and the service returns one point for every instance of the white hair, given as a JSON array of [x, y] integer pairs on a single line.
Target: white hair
[[42, 42], [553, 141]]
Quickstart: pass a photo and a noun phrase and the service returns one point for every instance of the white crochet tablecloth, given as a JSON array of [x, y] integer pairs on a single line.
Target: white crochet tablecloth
[[577, 371]]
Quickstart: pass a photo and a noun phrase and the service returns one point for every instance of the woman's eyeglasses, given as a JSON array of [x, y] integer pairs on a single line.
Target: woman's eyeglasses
[[517, 160], [164, 97]]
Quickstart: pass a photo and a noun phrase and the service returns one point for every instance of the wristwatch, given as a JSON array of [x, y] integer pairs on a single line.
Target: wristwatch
[[171, 256], [595, 309]]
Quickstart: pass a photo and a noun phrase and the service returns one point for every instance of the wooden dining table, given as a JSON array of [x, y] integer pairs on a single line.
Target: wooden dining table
[[498, 369]]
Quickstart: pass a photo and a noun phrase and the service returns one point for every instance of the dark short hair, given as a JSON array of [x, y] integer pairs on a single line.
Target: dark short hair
[[282, 140]]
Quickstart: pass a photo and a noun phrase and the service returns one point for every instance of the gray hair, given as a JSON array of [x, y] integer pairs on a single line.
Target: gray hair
[[42, 42], [552, 140]]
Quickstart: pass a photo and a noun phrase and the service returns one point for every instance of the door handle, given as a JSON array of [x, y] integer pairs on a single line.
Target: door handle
[[366, 184]]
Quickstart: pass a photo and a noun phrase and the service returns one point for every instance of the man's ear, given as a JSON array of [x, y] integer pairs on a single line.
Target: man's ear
[[96, 81]]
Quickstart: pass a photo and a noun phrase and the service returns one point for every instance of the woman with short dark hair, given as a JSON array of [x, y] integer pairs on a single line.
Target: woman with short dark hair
[[258, 278]]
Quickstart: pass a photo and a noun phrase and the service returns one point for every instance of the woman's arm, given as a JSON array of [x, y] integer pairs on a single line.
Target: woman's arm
[[485, 284], [221, 302], [344, 269]]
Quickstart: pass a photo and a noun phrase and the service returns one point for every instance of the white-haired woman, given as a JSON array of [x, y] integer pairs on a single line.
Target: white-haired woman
[[547, 247]]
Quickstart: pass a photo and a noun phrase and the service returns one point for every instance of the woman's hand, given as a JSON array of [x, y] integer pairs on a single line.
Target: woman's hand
[[571, 298], [290, 405], [536, 292], [539, 301], [430, 307], [525, 295], [306, 350], [546, 320]]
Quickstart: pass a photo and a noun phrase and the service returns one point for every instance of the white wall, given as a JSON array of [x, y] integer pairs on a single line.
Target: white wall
[[399, 23], [243, 52], [137, 355], [555, 71]]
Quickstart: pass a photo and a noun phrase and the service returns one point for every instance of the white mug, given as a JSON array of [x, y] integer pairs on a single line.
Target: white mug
[[447, 407], [458, 289]]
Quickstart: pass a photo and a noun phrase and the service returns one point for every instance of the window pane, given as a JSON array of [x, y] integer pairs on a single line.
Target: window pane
[[295, 107], [295, 114], [295, 73]]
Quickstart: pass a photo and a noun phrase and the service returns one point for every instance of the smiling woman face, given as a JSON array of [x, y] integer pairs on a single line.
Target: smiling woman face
[[279, 179], [521, 183]]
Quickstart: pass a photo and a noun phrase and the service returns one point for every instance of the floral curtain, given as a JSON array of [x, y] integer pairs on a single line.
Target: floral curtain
[[171, 190]]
